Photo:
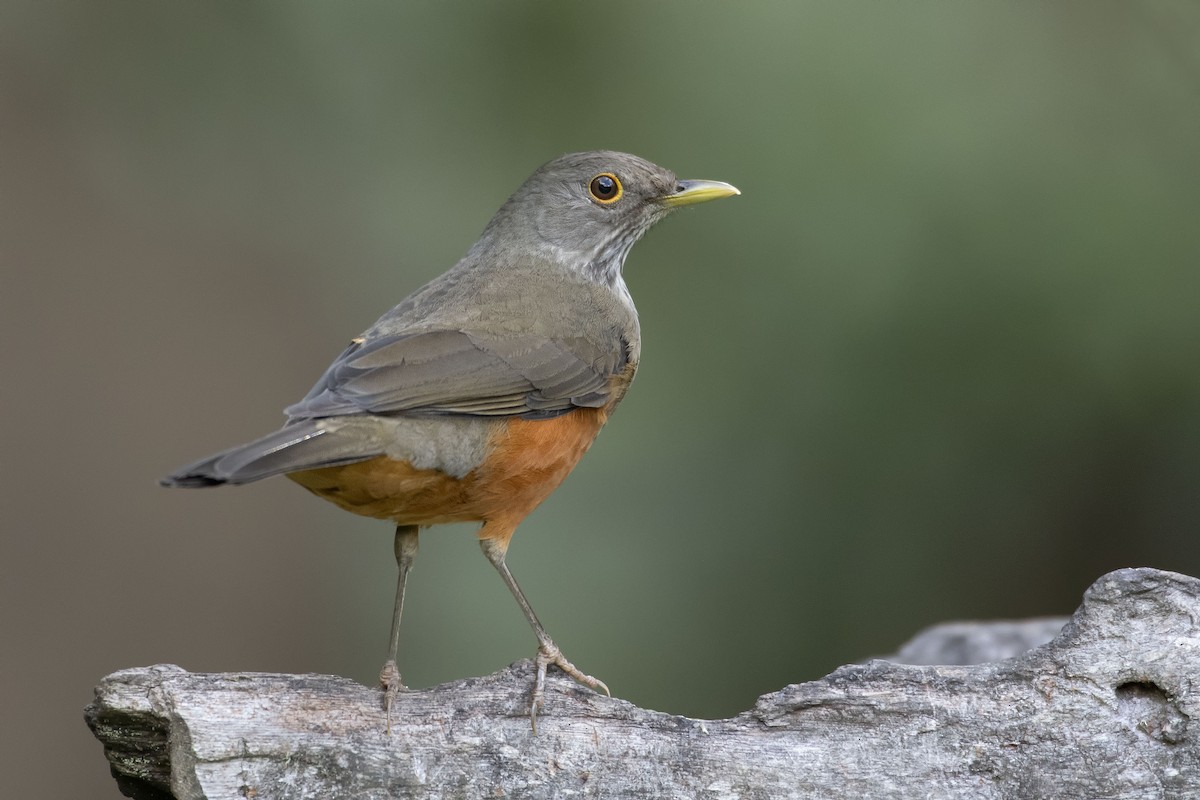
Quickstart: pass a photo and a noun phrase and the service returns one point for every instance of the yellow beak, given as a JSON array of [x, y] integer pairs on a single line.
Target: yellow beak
[[690, 192]]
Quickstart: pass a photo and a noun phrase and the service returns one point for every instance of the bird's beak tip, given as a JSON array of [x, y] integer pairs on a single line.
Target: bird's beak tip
[[690, 192]]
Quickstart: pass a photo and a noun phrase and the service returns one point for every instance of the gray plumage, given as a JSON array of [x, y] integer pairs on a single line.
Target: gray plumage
[[534, 321]]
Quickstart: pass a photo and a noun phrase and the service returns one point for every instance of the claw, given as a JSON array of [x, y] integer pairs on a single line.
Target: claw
[[389, 679], [548, 653]]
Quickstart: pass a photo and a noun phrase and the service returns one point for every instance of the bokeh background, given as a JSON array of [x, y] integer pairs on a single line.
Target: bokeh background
[[939, 361]]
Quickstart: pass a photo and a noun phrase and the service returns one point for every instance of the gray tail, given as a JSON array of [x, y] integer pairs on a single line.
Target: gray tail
[[298, 446]]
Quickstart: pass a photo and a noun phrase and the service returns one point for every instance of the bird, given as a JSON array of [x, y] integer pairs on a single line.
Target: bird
[[474, 397]]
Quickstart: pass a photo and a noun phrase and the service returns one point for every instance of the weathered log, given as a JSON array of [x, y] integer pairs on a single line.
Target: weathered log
[[1104, 710]]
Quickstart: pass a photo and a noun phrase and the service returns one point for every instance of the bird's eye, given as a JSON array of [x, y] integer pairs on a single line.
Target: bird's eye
[[605, 188]]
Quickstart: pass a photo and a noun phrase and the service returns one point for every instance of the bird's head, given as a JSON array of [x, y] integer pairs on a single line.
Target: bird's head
[[586, 210]]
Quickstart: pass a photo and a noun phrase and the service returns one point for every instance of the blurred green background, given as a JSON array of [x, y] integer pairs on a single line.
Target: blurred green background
[[939, 361]]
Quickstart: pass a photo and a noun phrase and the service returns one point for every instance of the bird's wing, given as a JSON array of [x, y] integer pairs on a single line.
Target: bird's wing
[[465, 372]]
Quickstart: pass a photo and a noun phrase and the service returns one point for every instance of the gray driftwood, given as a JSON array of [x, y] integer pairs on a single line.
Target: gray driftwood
[[1107, 709]]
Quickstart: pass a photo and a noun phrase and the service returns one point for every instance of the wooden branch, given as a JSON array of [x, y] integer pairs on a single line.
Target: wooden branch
[[1105, 710]]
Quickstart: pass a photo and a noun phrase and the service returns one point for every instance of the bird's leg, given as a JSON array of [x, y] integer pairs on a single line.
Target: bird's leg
[[389, 676], [548, 652]]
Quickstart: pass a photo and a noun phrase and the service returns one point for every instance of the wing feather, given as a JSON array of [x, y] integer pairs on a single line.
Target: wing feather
[[464, 372]]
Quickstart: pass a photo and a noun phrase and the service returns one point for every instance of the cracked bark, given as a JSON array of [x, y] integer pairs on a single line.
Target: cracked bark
[[1105, 709]]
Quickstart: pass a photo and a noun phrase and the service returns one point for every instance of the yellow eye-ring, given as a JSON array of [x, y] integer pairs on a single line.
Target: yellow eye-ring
[[605, 188]]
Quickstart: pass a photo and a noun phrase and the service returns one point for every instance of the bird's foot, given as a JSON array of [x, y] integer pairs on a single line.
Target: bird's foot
[[389, 679], [548, 653]]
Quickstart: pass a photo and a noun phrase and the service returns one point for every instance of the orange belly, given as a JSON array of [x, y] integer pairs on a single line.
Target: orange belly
[[526, 461]]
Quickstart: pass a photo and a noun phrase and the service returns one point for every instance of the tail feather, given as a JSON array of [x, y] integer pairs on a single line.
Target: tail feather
[[308, 444]]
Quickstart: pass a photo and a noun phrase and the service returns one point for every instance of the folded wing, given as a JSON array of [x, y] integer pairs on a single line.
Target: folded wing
[[464, 372]]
